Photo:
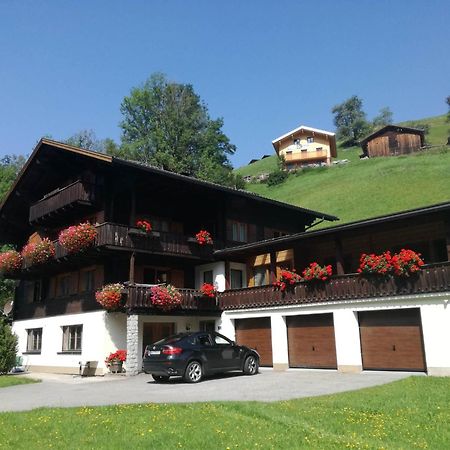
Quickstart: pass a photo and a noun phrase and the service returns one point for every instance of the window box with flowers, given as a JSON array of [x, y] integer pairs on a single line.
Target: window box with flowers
[[203, 237], [143, 228], [115, 361], [110, 296], [287, 279], [371, 264], [10, 262], [38, 253], [165, 297], [208, 290], [316, 272], [78, 237], [406, 263]]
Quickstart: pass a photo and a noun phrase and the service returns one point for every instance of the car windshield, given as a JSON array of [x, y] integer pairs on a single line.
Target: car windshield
[[171, 339]]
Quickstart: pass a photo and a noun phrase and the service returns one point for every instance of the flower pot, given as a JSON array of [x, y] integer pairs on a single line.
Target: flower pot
[[116, 367]]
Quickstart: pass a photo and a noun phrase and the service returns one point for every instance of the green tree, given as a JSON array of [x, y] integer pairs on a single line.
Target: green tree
[[10, 166], [447, 100], [86, 139], [166, 124], [8, 347], [350, 121], [385, 117]]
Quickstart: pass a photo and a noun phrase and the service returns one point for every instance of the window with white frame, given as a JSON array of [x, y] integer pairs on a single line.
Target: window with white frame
[[34, 340], [72, 335], [208, 277]]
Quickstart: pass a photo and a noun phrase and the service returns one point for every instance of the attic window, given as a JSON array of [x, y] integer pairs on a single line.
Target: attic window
[[297, 142], [309, 139]]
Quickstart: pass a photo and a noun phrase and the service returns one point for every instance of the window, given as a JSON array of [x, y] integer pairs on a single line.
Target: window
[[87, 280], [207, 325], [34, 340], [204, 340], [318, 149], [37, 293], [236, 278], [221, 340], [208, 276], [239, 232], [297, 142], [260, 276], [72, 335], [309, 139], [64, 285], [155, 276]]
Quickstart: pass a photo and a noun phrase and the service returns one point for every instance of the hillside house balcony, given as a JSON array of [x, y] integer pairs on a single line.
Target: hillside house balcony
[[76, 198], [310, 155], [433, 278], [192, 300]]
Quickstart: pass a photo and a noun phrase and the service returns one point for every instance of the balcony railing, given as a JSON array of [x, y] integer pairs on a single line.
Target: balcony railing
[[138, 297], [305, 155], [432, 278], [76, 193]]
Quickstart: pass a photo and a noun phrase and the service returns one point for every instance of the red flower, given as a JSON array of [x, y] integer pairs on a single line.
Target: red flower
[[78, 237], [204, 237], [118, 356], [110, 296], [165, 297], [316, 272], [144, 225], [40, 252], [10, 261], [208, 290], [287, 278]]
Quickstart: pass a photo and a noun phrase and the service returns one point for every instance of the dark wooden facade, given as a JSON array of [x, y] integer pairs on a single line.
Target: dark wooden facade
[[393, 140]]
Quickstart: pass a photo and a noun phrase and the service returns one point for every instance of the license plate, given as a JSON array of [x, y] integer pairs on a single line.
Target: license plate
[[154, 352]]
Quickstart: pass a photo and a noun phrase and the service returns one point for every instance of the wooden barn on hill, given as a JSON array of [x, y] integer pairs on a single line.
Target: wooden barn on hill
[[392, 140]]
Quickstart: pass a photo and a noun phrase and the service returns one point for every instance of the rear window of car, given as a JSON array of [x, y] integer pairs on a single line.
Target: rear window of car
[[171, 339]]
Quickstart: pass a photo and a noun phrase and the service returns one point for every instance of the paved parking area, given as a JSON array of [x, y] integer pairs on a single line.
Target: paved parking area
[[268, 385]]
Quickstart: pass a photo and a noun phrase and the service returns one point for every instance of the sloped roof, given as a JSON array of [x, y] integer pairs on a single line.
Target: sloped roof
[[397, 128]]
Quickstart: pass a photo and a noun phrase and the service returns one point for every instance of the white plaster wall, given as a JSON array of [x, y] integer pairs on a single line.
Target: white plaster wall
[[93, 346], [435, 323], [218, 269], [436, 337]]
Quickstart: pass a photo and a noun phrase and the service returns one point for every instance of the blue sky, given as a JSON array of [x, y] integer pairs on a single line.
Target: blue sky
[[264, 66]]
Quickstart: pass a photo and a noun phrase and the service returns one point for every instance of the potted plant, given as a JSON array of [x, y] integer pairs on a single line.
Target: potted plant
[[10, 261], [165, 297], [208, 290], [316, 272], [110, 296], [143, 228], [78, 237], [371, 264], [38, 253], [115, 361], [287, 278], [406, 263], [203, 237]]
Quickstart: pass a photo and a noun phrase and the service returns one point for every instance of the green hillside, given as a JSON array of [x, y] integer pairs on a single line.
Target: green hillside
[[367, 188]]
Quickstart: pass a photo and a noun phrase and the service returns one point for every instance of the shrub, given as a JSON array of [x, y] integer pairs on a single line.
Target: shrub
[[110, 296], [38, 253], [8, 347], [10, 261], [165, 297], [77, 237], [277, 177]]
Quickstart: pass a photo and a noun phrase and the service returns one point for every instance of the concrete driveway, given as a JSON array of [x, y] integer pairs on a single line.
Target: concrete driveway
[[268, 385]]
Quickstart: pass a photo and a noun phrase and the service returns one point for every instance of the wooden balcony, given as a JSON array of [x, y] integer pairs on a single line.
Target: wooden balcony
[[432, 278], [300, 156], [77, 194], [138, 299]]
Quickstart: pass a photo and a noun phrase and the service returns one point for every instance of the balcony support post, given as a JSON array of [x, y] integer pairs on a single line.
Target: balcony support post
[[340, 269], [273, 267], [132, 266], [132, 344]]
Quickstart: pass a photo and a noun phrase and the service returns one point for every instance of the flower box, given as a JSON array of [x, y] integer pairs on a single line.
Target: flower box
[[78, 237], [165, 297], [10, 261], [137, 232], [38, 253], [110, 296]]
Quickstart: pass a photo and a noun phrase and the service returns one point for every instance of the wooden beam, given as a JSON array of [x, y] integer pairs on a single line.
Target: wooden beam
[[340, 267], [273, 267], [132, 267]]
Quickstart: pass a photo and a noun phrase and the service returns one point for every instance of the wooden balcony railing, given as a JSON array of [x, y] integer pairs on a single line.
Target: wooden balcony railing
[[138, 297], [305, 155], [432, 278], [78, 192]]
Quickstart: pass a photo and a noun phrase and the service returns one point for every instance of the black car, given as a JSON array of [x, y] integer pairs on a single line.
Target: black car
[[194, 355]]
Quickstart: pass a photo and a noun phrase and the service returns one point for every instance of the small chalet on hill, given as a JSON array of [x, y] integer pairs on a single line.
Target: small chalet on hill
[[392, 140], [305, 146]]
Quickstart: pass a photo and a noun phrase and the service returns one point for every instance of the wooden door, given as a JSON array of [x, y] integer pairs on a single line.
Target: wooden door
[[155, 331], [392, 340], [311, 341], [257, 334]]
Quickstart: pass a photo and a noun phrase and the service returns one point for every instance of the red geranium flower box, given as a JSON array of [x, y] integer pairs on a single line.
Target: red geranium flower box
[[78, 237]]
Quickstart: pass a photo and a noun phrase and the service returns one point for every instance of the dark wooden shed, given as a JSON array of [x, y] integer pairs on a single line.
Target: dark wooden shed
[[392, 140]]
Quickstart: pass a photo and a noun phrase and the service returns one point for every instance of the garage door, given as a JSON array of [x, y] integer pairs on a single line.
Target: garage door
[[256, 333], [392, 340], [311, 341]]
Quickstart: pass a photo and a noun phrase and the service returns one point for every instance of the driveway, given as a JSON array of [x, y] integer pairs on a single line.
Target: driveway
[[268, 385]]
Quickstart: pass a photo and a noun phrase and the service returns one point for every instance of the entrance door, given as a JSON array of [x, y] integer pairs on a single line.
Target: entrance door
[[392, 340], [257, 334], [311, 341], [155, 331]]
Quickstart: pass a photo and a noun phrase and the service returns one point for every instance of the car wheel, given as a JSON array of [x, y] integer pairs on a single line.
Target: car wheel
[[251, 365], [160, 378], [194, 372]]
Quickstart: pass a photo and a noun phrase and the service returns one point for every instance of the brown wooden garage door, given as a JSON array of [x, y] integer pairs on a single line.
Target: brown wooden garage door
[[311, 341], [392, 340], [256, 333]]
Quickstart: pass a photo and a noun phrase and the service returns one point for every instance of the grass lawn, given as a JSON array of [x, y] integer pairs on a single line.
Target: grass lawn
[[408, 414], [12, 380]]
